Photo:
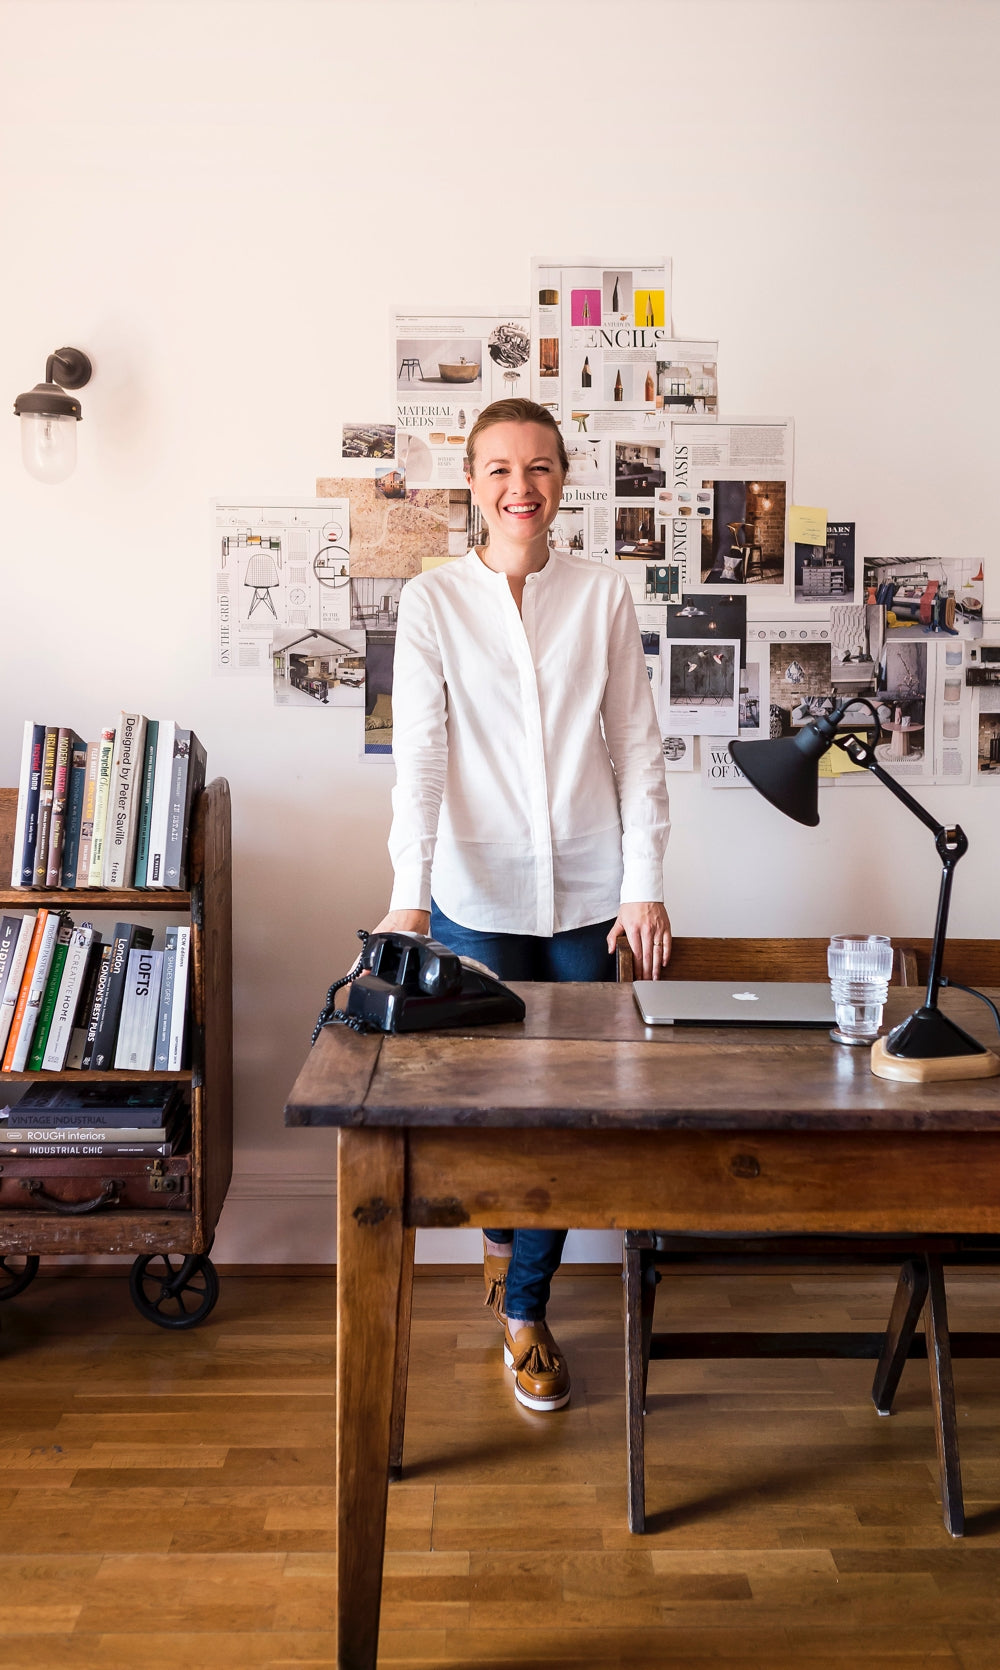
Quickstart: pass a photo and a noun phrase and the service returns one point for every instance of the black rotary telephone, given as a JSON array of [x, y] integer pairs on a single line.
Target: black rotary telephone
[[412, 983]]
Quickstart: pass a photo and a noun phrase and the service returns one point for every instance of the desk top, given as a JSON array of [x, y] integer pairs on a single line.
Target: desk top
[[584, 1058]]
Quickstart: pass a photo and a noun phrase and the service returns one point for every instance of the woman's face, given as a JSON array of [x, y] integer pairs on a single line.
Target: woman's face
[[518, 479]]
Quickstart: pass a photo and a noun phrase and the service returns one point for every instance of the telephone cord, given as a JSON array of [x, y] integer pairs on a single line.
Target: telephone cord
[[330, 1014]]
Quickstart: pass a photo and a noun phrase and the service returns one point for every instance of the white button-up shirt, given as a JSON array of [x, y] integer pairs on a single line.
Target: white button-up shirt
[[530, 789]]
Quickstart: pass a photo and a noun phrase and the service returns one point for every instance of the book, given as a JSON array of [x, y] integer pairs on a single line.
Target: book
[[48, 1004], [65, 742], [67, 998], [107, 749], [15, 975], [146, 1105], [146, 803], [29, 1000], [97, 1004], [45, 794], [127, 936], [26, 821], [84, 1007], [137, 1029], [161, 1058], [178, 1014], [87, 814], [10, 927], [126, 780], [74, 811], [160, 807], [90, 1149], [187, 780]]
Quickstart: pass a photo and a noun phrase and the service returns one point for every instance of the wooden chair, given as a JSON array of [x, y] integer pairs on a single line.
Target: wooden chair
[[920, 1288]]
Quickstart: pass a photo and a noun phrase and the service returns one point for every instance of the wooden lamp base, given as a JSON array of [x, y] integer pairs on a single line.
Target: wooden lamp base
[[928, 1069]]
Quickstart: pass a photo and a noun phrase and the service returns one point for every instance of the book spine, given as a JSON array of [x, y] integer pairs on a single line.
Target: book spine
[[18, 878], [126, 774], [178, 1014], [67, 999], [174, 847], [60, 795], [197, 766], [87, 814], [127, 937], [10, 927], [15, 975], [146, 803], [100, 986], [45, 794], [161, 801], [101, 808], [48, 1004], [145, 1020], [161, 1059], [86, 1133], [85, 1150], [74, 811], [32, 990], [142, 986]]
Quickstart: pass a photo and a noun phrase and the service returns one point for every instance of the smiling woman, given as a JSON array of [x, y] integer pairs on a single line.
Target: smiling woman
[[530, 807]]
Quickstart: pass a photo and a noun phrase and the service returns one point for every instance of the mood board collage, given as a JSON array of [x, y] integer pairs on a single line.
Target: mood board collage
[[757, 613]]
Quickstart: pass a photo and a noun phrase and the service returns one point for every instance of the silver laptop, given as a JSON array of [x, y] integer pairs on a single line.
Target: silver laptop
[[734, 1003]]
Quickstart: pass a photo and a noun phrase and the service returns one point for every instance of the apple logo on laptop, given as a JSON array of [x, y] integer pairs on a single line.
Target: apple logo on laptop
[[746, 997]]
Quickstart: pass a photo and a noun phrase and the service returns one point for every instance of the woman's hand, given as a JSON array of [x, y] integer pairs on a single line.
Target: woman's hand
[[647, 929], [404, 922]]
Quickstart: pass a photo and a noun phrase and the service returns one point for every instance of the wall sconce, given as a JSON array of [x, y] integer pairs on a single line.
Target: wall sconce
[[49, 416]]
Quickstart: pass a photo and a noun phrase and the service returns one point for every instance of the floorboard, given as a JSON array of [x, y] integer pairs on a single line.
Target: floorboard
[[167, 1499]]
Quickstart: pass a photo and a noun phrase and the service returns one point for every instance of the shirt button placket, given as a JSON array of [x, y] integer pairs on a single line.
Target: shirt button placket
[[537, 781]]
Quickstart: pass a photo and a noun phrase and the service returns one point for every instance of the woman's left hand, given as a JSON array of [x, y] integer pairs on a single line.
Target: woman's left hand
[[647, 929]]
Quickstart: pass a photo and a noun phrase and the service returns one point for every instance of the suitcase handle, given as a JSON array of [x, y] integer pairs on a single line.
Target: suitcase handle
[[74, 1208]]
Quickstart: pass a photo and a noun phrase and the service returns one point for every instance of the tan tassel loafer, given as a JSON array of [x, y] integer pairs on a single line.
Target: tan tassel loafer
[[495, 1276], [541, 1378]]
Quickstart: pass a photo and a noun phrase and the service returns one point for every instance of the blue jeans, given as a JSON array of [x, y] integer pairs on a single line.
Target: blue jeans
[[576, 954]]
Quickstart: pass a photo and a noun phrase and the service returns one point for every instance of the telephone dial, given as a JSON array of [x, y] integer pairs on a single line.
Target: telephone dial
[[412, 983]]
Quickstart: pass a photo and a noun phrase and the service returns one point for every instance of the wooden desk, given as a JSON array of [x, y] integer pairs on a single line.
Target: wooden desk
[[584, 1117]]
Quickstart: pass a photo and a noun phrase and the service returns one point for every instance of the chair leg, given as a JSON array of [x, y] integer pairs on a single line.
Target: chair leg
[[943, 1397], [634, 1437], [911, 1291], [402, 1363]]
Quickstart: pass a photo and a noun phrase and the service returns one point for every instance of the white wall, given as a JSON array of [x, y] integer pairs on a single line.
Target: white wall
[[219, 201]]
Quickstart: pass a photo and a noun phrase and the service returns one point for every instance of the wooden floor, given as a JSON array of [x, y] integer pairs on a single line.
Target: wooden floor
[[167, 1500]]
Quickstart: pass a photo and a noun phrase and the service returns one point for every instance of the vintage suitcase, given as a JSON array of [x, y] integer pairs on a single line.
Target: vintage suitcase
[[74, 1186]]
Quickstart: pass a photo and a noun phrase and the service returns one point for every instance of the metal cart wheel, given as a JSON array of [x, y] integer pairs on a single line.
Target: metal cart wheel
[[17, 1271], [172, 1291]]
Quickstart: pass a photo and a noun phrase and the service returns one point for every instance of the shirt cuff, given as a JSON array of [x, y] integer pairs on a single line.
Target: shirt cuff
[[411, 888], [642, 882]]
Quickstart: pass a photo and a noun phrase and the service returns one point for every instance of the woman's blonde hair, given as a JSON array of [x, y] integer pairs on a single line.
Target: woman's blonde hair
[[514, 411]]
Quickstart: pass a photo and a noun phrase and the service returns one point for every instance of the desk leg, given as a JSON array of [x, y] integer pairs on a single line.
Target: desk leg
[[635, 1391], [370, 1173], [402, 1356]]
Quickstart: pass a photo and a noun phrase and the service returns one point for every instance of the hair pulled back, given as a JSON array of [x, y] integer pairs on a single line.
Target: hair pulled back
[[514, 411]]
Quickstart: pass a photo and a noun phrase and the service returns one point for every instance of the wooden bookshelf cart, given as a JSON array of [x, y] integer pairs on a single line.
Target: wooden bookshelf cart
[[173, 1281]]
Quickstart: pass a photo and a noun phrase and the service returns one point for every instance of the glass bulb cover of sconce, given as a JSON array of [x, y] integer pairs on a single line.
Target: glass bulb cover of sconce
[[48, 445]]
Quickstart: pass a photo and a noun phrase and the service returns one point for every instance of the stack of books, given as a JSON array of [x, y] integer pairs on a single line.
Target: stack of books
[[100, 1120], [67, 1000], [109, 813]]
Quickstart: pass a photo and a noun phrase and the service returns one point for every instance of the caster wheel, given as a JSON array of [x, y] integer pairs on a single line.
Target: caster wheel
[[17, 1271], [173, 1291]]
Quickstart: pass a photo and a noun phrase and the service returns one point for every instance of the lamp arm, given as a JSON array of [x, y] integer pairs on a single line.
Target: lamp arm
[[951, 841]]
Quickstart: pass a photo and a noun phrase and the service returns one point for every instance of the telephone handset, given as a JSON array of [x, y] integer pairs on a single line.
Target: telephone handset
[[412, 983]]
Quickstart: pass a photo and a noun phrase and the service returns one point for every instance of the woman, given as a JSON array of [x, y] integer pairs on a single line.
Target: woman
[[530, 807]]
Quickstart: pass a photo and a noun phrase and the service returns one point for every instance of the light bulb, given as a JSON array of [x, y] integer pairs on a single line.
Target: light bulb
[[48, 445]]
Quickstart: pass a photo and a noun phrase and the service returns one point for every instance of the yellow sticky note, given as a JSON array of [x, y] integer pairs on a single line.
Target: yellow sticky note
[[427, 563], [835, 763], [806, 524]]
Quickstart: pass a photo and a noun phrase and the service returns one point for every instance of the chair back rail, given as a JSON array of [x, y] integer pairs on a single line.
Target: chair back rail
[[972, 962]]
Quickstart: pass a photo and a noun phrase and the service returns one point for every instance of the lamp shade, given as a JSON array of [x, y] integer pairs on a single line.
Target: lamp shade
[[786, 771]]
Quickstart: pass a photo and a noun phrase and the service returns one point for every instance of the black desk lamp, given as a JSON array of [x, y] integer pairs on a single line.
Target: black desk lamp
[[785, 771]]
